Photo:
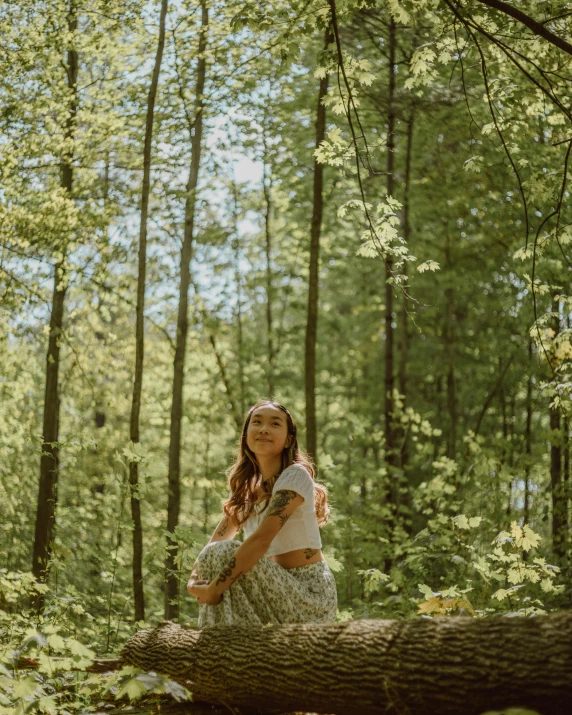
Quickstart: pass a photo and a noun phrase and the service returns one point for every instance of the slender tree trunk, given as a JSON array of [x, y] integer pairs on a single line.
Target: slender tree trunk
[[267, 190], [559, 521], [49, 460], [174, 497], [558, 510], [450, 353], [315, 232], [138, 592], [566, 484], [390, 445], [441, 666], [528, 436], [404, 345], [503, 457], [238, 278], [566, 472], [227, 383]]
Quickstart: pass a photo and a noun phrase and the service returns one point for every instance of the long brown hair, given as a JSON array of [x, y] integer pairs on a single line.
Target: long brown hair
[[241, 475]]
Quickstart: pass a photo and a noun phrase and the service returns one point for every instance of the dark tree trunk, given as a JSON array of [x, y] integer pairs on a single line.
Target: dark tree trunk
[[174, 497], [390, 435], [239, 328], [267, 190], [315, 232], [444, 666], [227, 383], [528, 436], [449, 335], [138, 592], [404, 344], [559, 501], [49, 459]]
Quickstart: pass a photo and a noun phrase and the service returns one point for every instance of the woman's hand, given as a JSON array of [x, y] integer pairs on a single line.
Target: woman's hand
[[204, 593]]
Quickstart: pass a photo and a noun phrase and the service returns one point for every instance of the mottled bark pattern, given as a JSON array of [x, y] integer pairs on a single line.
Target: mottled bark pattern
[[445, 666]]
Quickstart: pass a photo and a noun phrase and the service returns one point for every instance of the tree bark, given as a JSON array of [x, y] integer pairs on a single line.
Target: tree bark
[[528, 436], [450, 351], [443, 666], [268, 216], [539, 28], [49, 459], [404, 343], [315, 232], [239, 327], [391, 458], [138, 593], [174, 497], [559, 510]]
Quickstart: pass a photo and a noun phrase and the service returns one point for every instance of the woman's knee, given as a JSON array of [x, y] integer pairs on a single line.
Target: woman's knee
[[214, 555]]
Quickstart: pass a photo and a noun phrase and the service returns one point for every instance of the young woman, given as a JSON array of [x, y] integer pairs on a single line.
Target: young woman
[[277, 574]]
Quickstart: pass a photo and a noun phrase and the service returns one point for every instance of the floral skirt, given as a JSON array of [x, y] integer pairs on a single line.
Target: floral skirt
[[267, 592]]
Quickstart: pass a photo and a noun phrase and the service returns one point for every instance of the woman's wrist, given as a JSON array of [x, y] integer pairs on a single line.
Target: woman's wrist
[[217, 590]]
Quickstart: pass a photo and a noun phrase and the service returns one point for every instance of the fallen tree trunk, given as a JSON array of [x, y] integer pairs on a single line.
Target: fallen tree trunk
[[447, 666]]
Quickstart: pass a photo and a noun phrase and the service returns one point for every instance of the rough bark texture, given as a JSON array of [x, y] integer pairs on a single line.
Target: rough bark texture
[[420, 667], [164, 706]]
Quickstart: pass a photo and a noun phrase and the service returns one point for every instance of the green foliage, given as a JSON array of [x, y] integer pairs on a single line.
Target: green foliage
[[460, 520]]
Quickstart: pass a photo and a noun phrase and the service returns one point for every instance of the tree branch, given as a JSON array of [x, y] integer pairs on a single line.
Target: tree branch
[[533, 25]]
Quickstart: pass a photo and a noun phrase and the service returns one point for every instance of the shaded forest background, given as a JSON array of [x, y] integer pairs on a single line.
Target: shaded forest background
[[359, 209]]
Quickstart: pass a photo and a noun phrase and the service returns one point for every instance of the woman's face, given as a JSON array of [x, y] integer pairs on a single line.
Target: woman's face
[[267, 432]]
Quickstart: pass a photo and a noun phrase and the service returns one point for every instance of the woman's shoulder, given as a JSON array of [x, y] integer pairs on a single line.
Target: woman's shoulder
[[296, 476], [297, 468]]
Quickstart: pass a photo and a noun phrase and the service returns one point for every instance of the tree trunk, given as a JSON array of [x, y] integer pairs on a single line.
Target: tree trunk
[[267, 190], [391, 451], [240, 337], [315, 231], [528, 436], [404, 344], [138, 593], [559, 515], [49, 460], [449, 335], [174, 497], [390, 447], [444, 666]]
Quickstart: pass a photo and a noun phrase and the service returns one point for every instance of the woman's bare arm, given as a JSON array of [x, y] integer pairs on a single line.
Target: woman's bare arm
[[225, 530], [282, 505]]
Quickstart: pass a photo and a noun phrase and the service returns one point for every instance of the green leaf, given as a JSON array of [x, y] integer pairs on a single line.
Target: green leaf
[[56, 642], [428, 266], [333, 563], [133, 688], [77, 648], [25, 687], [425, 590]]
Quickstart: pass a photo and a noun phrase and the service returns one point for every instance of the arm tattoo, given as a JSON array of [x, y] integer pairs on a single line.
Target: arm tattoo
[[278, 504], [222, 530], [233, 579], [227, 572], [310, 552]]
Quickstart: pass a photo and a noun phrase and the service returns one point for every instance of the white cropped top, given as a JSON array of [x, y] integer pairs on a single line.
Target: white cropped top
[[301, 530]]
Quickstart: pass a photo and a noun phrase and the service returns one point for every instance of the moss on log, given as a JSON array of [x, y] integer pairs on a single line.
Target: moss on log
[[448, 666]]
